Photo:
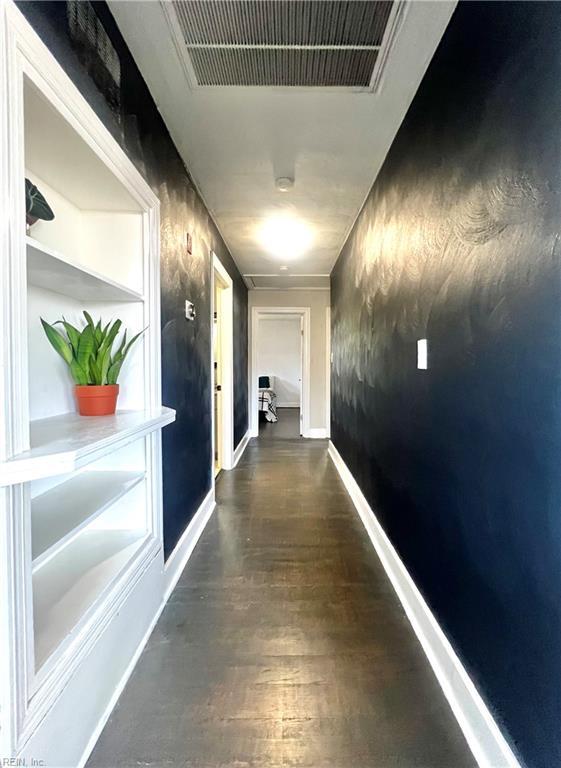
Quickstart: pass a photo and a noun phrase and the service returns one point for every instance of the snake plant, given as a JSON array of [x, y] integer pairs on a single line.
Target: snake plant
[[89, 352], [36, 207]]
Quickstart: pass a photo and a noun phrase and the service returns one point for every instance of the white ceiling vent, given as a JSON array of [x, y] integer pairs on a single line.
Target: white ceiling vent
[[298, 43]]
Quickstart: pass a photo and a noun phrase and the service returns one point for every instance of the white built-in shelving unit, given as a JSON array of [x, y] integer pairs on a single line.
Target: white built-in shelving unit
[[51, 270], [80, 497]]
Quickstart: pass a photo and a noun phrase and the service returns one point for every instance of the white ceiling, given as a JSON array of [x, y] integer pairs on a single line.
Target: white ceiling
[[237, 140]]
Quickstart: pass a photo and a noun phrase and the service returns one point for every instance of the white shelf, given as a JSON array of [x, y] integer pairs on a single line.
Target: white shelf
[[51, 270], [59, 515], [64, 443], [82, 554], [67, 587]]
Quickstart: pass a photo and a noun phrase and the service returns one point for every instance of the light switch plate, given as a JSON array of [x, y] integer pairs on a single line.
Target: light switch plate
[[190, 313], [422, 354]]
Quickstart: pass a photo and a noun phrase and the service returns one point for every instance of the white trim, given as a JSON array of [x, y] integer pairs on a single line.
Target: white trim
[[305, 314], [290, 274], [290, 288], [483, 735], [221, 275], [328, 371], [242, 445], [283, 277], [295, 404], [179, 44], [16, 629], [50, 458], [119, 688], [395, 20], [318, 433], [28, 702], [38, 63], [55, 674], [177, 561]]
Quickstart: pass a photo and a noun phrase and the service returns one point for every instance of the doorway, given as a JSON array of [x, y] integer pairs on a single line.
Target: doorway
[[279, 366], [280, 372], [222, 360]]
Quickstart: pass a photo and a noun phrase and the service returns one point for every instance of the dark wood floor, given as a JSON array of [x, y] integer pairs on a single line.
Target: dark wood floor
[[286, 428], [283, 644]]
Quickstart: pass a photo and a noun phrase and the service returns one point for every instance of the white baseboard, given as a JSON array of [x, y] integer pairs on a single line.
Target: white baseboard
[[119, 688], [242, 445], [177, 561], [288, 405], [118, 691], [318, 433], [172, 571], [483, 735]]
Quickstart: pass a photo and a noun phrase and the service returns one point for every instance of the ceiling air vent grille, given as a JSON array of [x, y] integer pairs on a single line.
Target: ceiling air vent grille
[[283, 66], [301, 43]]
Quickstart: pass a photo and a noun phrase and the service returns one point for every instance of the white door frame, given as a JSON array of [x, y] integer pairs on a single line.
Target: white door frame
[[221, 276], [256, 314], [328, 371]]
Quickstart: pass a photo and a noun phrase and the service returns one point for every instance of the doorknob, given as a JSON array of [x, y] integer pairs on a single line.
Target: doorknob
[[218, 388]]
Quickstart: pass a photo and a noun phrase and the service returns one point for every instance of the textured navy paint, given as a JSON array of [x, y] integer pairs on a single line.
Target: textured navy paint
[[185, 345], [458, 242]]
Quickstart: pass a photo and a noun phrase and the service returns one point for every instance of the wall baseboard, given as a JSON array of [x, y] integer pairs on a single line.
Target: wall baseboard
[[483, 735], [288, 405], [177, 561], [317, 433], [119, 688], [172, 571], [242, 445]]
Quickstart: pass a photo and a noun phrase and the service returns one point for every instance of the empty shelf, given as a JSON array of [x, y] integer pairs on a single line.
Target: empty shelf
[[58, 515], [51, 270], [66, 587]]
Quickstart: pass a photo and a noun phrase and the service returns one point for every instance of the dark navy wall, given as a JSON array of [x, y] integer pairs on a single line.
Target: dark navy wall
[[459, 243], [139, 129]]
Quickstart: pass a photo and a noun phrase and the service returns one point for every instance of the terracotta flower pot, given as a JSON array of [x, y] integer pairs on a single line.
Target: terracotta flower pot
[[97, 400]]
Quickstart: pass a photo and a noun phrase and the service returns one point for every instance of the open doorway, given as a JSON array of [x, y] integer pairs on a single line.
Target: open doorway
[[279, 369], [222, 355], [280, 372]]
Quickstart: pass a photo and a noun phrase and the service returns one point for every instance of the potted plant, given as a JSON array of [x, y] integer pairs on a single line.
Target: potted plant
[[36, 207], [93, 365]]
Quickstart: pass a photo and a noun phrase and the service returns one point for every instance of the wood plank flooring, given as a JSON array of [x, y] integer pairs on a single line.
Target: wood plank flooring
[[283, 644], [287, 426]]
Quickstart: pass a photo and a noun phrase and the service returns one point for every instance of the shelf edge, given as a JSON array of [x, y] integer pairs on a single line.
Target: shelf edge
[[15, 471], [128, 293], [96, 616]]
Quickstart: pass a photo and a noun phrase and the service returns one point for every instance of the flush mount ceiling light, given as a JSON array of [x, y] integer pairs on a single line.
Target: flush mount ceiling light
[[284, 235], [284, 183]]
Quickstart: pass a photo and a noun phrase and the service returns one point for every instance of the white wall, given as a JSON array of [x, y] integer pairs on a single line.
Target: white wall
[[279, 355], [319, 303]]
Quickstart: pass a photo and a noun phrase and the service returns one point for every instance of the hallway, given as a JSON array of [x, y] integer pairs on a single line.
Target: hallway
[[283, 643]]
